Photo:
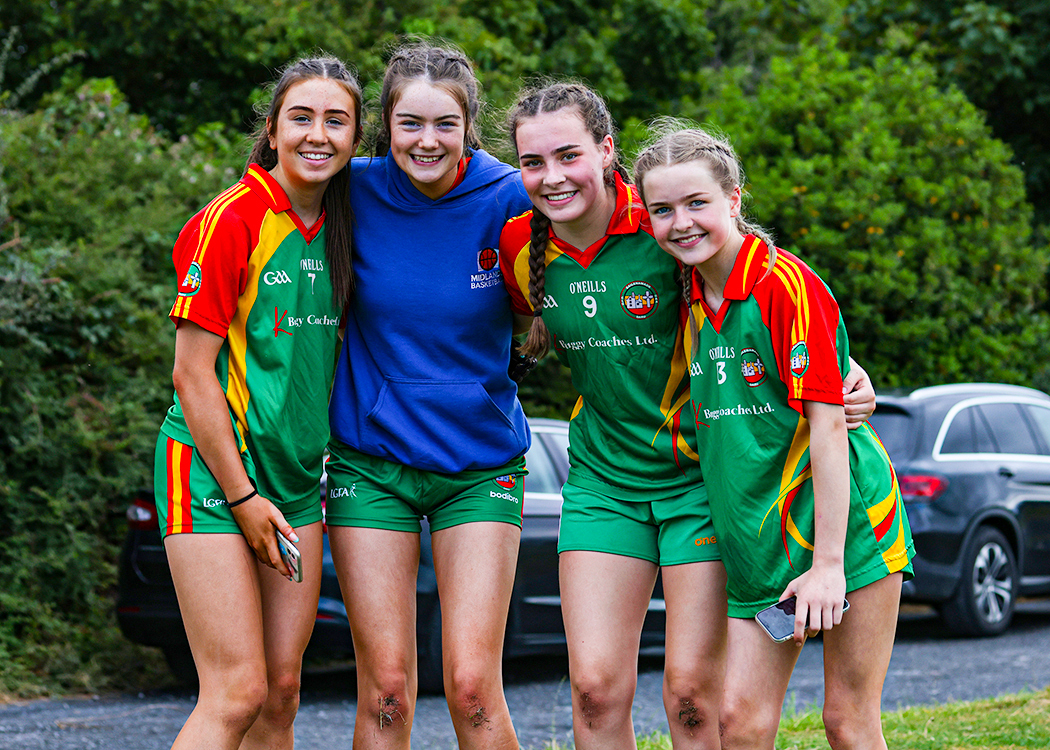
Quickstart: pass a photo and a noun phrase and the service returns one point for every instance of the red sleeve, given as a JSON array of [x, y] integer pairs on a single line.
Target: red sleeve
[[211, 261], [514, 244], [804, 323]]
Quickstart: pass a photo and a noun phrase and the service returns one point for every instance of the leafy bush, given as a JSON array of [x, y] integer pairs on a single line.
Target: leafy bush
[[893, 189], [93, 201]]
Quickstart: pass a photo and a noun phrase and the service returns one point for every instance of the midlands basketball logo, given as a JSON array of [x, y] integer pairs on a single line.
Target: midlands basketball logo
[[639, 300], [487, 274], [752, 367], [487, 259], [799, 359], [192, 283]]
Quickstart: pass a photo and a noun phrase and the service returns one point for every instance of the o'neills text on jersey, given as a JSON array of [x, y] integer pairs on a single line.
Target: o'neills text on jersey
[[586, 287]]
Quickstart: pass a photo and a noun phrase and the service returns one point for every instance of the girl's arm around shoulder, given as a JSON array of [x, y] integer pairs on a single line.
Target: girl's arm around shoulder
[[821, 590], [858, 395]]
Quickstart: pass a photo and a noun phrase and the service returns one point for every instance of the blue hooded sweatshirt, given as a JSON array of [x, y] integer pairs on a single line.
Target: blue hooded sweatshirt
[[422, 375]]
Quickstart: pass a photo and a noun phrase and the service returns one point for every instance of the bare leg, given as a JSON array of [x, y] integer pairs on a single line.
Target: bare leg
[[757, 675], [604, 599], [856, 657], [377, 575], [289, 610], [475, 564], [694, 662], [216, 579]]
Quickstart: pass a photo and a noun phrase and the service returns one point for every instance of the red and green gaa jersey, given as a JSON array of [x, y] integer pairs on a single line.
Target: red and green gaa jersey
[[249, 271], [779, 340], [612, 311]]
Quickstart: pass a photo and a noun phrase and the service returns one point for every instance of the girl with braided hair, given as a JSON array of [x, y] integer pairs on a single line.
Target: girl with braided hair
[[802, 508], [583, 265], [425, 419]]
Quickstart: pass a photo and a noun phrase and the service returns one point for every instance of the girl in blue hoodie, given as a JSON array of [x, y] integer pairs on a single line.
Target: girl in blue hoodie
[[425, 419]]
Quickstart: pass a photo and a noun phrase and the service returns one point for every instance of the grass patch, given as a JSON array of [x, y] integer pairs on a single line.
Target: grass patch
[[1007, 723]]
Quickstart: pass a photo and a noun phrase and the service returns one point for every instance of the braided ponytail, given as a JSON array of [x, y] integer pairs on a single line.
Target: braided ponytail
[[687, 295], [538, 342]]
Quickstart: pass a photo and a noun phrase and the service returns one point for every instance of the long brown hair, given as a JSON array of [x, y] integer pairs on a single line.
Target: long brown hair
[[596, 119], [336, 200]]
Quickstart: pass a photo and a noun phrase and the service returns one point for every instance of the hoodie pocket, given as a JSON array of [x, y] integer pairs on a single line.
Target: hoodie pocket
[[445, 426]]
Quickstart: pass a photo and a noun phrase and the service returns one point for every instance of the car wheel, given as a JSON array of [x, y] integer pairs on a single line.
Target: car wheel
[[431, 675], [984, 602], [180, 662]]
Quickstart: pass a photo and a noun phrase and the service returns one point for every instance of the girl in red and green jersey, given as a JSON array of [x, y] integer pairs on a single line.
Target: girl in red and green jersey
[[634, 503], [264, 274], [801, 506]]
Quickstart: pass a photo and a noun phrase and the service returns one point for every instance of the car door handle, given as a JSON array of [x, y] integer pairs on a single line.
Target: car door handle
[[1005, 472]]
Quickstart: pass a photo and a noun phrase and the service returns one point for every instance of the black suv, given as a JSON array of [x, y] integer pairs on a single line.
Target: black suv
[[973, 460]]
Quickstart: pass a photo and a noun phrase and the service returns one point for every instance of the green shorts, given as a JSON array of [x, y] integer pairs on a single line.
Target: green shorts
[[371, 492], [669, 531], [189, 498]]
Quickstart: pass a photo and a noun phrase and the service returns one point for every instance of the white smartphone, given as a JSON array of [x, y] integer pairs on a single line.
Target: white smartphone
[[291, 557], [779, 620]]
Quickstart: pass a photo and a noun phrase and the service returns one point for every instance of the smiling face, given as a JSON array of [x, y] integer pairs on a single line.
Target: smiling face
[[427, 132], [692, 217], [564, 171], [313, 134]]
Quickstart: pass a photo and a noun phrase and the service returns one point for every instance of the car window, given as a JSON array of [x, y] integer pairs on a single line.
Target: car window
[[1009, 428], [543, 476], [960, 435], [1041, 419], [983, 433], [895, 429]]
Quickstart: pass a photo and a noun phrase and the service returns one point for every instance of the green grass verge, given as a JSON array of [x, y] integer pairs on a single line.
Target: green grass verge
[[1006, 723]]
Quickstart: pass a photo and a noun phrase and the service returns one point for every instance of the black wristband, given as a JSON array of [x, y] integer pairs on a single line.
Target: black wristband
[[244, 499]]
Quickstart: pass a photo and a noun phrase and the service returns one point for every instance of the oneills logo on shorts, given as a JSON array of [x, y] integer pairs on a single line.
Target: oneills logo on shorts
[[191, 284]]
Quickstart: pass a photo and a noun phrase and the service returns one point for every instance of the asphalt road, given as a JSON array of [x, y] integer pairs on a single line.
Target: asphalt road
[[927, 668]]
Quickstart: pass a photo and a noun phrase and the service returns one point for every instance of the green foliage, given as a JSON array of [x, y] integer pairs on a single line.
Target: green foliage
[[997, 52], [895, 192], [186, 62], [91, 200]]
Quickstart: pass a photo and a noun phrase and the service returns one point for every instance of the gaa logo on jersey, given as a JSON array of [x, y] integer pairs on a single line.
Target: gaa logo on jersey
[[799, 359], [638, 299], [192, 283], [487, 259], [507, 481], [752, 367]]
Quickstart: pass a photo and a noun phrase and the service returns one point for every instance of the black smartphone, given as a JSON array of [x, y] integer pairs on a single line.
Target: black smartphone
[[779, 620]]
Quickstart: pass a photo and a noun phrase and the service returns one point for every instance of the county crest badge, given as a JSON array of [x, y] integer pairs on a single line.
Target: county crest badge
[[799, 359]]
